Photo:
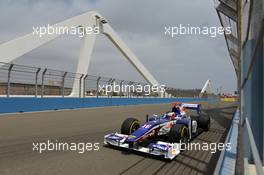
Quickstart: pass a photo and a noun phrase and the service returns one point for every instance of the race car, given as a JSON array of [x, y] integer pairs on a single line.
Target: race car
[[161, 135]]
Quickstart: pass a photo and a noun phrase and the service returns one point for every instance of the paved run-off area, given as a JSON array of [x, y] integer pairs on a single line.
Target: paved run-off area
[[19, 131]]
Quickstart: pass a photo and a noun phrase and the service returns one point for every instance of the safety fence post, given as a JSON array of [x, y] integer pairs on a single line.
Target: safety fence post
[[63, 84], [36, 82], [8, 79], [97, 86], [84, 86], [42, 82], [80, 86]]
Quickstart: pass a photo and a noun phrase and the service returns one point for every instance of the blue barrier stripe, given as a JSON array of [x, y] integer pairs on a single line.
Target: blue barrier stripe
[[29, 104]]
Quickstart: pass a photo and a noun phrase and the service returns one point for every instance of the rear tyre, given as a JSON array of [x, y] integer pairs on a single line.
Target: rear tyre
[[204, 122], [178, 133], [129, 126]]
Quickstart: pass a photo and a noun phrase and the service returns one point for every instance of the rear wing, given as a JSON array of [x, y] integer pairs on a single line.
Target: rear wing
[[190, 106]]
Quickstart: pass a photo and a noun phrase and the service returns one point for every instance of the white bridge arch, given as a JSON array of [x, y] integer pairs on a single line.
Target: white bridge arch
[[207, 88], [13, 49]]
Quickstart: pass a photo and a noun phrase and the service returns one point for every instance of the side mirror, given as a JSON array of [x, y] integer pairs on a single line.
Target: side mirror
[[147, 118]]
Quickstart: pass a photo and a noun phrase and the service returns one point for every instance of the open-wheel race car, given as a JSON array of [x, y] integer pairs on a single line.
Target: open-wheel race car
[[161, 135]]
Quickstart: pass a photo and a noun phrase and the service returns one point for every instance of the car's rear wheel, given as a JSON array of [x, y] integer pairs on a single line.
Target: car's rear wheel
[[204, 122], [129, 126], [178, 133]]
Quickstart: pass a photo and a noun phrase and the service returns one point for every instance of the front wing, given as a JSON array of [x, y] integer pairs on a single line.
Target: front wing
[[158, 148]]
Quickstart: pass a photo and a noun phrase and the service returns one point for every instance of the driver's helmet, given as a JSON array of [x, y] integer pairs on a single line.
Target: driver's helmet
[[171, 115], [176, 108]]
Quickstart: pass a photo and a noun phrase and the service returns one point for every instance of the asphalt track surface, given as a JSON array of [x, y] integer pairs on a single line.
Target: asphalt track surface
[[19, 131]]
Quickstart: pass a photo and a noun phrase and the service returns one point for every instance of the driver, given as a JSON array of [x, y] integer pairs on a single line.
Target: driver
[[179, 109], [171, 115]]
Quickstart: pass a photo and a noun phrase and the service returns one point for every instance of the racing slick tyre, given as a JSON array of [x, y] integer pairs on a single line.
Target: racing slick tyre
[[178, 132], [204, 122], [129, 126]]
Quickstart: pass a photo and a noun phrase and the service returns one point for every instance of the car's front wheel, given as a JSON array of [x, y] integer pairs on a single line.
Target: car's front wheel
[[178, 133], [129, 126]]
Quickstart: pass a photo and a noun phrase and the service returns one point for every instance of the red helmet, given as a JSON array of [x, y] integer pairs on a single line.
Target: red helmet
[[173, 116], [176, 104]]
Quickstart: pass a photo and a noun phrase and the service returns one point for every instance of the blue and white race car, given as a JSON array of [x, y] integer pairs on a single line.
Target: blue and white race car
[[161, 135]]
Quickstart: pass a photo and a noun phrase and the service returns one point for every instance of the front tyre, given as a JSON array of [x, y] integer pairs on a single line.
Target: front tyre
[[178, 133], [129, 126]]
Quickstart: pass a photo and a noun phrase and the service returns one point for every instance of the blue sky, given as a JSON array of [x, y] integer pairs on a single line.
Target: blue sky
[[181, 62]]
